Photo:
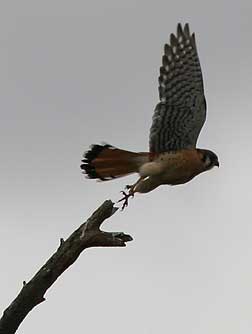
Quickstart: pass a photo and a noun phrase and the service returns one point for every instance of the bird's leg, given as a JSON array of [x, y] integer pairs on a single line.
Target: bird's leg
[[131, 191]]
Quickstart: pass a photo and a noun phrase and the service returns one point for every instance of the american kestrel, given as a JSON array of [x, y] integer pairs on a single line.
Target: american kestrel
[[178, 118]]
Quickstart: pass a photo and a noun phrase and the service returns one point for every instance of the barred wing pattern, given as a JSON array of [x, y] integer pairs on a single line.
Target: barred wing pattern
[[180, 115]]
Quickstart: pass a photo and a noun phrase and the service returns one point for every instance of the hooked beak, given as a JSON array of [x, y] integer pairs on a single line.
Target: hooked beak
[[217, 164]]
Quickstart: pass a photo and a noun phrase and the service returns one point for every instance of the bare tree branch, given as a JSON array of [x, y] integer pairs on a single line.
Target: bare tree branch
[[87, 235]]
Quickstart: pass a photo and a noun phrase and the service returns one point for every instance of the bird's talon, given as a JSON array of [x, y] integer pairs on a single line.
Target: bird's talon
[[125, 199]]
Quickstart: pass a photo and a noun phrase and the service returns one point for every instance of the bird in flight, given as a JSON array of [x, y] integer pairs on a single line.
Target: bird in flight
[[177, 121]]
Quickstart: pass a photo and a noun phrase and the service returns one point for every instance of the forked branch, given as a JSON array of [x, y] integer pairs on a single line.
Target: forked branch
[[86, 236]]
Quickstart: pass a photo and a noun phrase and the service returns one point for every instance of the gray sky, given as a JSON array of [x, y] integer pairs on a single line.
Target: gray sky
[[75, 73]]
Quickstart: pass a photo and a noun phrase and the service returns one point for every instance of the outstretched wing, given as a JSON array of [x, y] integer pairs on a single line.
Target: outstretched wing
[[180, 115]]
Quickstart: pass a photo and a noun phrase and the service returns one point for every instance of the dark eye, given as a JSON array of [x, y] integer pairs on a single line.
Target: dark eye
[[204, 158], [207, 160]]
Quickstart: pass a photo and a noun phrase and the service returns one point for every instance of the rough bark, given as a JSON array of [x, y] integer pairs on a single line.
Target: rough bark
[[86, 236]]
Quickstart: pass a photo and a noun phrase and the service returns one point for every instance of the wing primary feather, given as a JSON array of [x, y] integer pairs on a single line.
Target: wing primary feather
[[179, 30], [173, 40], [187, 30], [193, 41], [167, 50], [165, 60]]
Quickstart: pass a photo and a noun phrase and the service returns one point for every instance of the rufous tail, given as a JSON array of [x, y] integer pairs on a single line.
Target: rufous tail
[[106, 162]]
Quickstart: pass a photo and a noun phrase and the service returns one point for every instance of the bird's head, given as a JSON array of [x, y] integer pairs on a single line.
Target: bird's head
[[209, 159]]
